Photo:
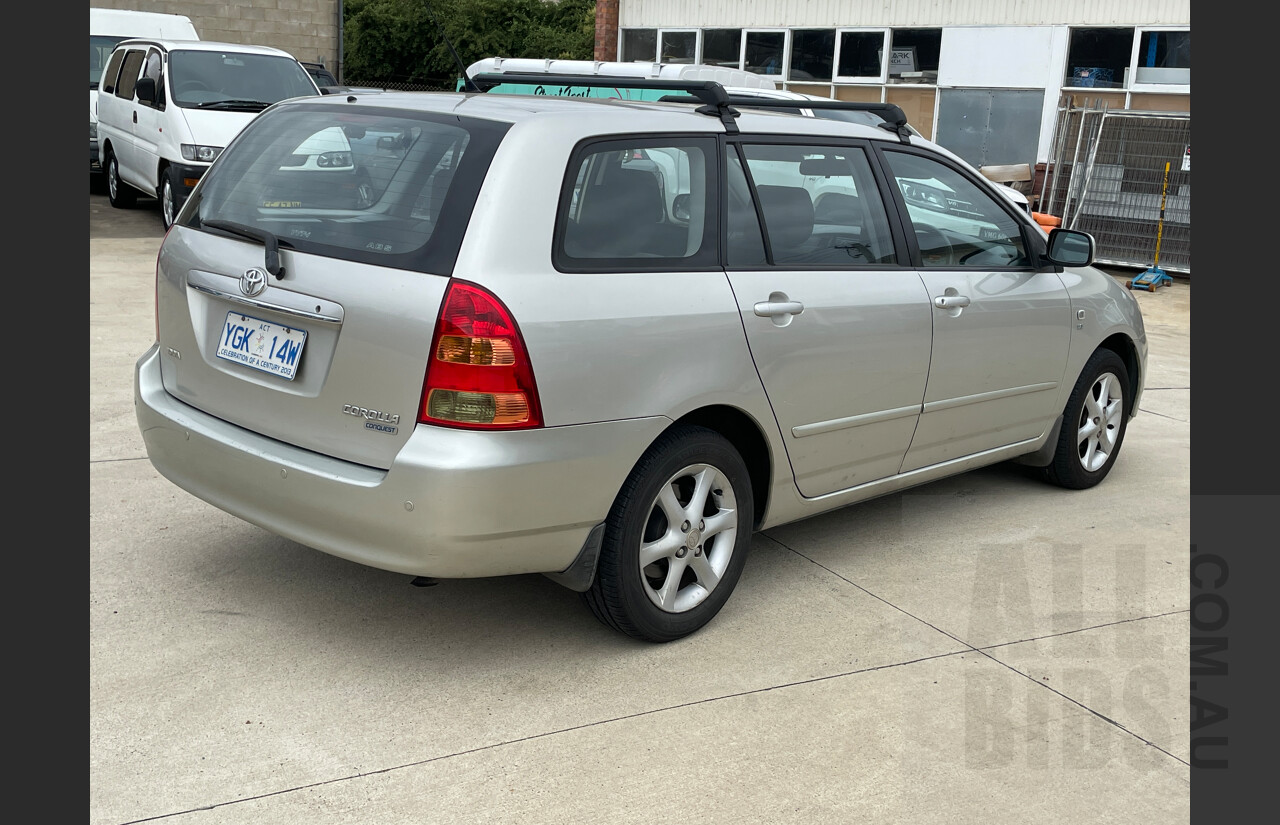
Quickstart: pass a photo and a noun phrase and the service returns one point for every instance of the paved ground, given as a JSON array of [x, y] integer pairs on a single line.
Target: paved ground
[[982, 649]]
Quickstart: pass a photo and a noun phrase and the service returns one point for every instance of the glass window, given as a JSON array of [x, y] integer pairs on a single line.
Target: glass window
[[1164, 57], [956, 223], [113, 69], [639, 44], [820, 204], [376, 186], [208, 79], [925, 46], [745, 244], [812, 54], [861, 54], [1098, 58], [722, 47], [100, 48], [764, 52], [639, 204], [154, 69], [679, 47], [129, 73]]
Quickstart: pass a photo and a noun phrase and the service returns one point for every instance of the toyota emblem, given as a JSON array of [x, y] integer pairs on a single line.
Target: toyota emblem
[[253, 281]]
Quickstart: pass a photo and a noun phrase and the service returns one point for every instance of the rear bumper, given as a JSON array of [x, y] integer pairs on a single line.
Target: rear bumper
[[455, 504]]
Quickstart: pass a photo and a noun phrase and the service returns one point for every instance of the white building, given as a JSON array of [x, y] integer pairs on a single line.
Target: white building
[[983, 78]]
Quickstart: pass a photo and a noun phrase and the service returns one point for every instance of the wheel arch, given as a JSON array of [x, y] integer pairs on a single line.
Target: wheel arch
[[746, 436], [1123, 346]]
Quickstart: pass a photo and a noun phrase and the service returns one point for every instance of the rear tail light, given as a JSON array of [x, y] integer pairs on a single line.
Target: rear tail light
[[479, 375]]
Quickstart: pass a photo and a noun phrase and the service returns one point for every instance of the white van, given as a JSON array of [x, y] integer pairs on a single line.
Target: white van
[[167, 108], [107, 27]]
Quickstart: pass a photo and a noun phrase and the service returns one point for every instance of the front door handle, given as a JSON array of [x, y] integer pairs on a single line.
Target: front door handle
[[776, 309], [135, 117], [950, 301]]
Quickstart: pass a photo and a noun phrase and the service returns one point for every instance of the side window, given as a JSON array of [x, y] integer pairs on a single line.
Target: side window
[[745, 244], [956, 223], [152, 69], [820, 204], [639, 204], [129, 74], [113, 69]]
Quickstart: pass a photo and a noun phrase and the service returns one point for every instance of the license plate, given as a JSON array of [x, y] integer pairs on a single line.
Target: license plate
[[262, 345]]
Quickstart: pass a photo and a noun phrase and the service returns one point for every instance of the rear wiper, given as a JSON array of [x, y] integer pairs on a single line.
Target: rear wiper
[[234, 104], [268, 240]]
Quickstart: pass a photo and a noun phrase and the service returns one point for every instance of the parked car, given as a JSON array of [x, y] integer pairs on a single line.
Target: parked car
[[167, 108], [608, 340], [107, 27], [329, 84]]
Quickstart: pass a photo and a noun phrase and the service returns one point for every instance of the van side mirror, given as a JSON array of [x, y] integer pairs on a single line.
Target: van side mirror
[[1070, 247], [146, 90]]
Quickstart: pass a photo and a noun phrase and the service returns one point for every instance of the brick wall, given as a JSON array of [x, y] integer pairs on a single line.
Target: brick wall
[[306, 29], [606, 30]]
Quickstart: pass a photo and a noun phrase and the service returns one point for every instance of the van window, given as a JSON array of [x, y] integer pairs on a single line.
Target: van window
[[153, 70], [129, 74], [109, 76], [639, 204], [209, 79], [100, 48]]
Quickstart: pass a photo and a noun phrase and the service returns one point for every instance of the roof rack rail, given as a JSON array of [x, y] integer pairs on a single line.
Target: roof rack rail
[[713, 96], [895, 120]]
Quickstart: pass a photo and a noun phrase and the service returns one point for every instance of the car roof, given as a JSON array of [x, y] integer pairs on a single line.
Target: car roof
[[202, 46], [599, 116]]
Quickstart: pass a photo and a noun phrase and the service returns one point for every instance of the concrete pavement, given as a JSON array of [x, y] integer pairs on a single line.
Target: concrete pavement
[[982, 649]]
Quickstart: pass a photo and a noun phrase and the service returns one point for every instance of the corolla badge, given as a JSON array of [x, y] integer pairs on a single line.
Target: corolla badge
[[253, 281]]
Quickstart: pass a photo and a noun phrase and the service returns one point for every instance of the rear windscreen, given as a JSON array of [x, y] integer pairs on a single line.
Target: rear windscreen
[[368, 185]]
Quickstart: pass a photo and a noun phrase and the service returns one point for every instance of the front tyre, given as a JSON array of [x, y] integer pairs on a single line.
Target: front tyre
[[168, 198], [1093, 423], [676, 539], [119, 193]]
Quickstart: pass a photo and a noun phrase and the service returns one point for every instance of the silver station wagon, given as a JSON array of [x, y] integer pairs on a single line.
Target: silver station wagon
[[465, 335]]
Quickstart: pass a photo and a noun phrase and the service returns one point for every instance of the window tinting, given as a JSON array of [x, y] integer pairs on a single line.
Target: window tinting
[[100, 49], [861, 54], [639, 205], [109, 76], [679, 47], [956, 224], [722, 47], [639, 44], [129, 74], [764, 52], [812, 52], [366, 186], [821, 206]]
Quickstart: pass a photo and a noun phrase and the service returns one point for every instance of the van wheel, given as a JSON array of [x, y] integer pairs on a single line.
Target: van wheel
[[1093, 424], [676, 539], [168, 198], [121, 194]]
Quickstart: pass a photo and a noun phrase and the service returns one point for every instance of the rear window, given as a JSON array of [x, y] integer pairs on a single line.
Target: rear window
[[374, 186]]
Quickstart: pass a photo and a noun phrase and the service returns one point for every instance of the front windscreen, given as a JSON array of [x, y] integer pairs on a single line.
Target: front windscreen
[[213, 80]]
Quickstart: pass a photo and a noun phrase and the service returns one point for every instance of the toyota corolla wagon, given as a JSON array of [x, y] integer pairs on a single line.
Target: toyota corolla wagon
[[466, 335]]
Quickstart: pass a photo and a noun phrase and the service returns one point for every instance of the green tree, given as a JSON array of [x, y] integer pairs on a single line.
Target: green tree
[[399, 40]]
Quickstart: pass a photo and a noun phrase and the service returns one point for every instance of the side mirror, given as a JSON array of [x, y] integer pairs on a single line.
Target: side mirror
[[145, 89], [680, 208], [1069, 247]]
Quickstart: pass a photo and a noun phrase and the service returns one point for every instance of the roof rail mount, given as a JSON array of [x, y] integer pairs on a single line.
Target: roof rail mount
[[711, 94], [894, 119]]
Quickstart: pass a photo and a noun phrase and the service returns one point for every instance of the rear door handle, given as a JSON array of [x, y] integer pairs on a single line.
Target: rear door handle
[[135, 117], [949, 301], [776, 309]]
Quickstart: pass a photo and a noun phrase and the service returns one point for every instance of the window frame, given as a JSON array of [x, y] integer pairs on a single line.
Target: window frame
[[868, 80], [706, 259], [780, 77], [897, 231], [1133, 85], [697, 44]]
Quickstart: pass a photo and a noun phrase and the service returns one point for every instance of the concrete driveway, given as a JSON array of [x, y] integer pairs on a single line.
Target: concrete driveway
[[982, 649]]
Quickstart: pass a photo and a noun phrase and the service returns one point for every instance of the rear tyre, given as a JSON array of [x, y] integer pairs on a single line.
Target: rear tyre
[[120, 194], [676, 539], [1093, 424]]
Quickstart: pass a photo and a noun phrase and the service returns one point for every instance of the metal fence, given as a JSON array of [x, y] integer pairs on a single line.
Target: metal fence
[[1108, 178]]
